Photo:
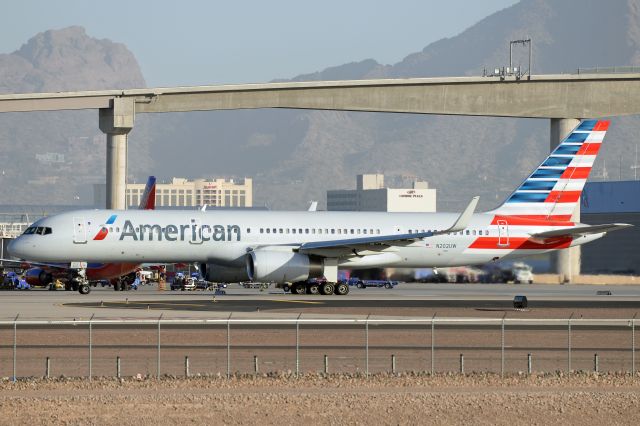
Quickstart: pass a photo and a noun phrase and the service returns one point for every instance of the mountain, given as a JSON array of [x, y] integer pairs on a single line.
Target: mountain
[[295, 156], [54, 157]]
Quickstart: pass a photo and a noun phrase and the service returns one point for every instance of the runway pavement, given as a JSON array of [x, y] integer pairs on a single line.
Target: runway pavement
[[406, 299]]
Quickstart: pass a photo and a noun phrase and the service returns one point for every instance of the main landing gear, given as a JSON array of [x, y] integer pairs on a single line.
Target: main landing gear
[[323, 288]]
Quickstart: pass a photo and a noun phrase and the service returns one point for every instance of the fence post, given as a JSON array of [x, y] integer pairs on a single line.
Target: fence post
[[461, 363], [633, 345], [596, 366], [528, 363], [255, 364], [118, 367], [298, 344], [159, 320], [366, 346], [569, 344], [47, 368], [90, 348], [502, 346], [229, 346], [186, 366], [15, 344], [433, 329], [326, 364], [393, 364]]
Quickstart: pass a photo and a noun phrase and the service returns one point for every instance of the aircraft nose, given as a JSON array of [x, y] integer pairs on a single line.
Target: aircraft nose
[[16, 248]]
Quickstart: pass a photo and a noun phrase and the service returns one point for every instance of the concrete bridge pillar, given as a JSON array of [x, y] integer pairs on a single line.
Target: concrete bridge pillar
[[117, 122], [567, 262]]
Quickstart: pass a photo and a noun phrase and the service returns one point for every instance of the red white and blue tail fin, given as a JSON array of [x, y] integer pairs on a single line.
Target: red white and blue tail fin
[[553, 190], [148, 199]]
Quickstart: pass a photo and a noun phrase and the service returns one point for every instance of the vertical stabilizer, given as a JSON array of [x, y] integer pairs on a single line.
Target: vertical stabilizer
[[552, 191], [148, 199]]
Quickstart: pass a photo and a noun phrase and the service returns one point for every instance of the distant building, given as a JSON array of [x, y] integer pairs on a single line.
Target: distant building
[[188, 193], [611, 202], [371, 195]]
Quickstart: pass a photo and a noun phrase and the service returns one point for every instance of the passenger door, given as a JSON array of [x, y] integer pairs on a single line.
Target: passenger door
[[79, 230]]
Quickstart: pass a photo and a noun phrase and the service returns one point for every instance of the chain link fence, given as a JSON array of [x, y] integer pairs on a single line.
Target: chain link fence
[[104, 348]]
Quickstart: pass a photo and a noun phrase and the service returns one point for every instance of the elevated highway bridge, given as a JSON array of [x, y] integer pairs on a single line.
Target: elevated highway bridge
[[562, 98]]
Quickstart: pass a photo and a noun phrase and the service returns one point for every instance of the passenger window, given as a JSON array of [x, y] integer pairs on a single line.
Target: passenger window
[[268, 230], [467, 232], [299, 230], [352, 231], [261, 230], [358, 231], [378, 231], [486, 232], [339, 231], [333, 231], [320, 231], [313, 230], [306, 231], [275, 230], [281, 230], [293, 230], [473, 232], [248, 230]]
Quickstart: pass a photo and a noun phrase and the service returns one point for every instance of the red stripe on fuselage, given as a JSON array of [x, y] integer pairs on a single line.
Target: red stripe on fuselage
[[601, 126], [534, 220], [521, 243], [101, 234]]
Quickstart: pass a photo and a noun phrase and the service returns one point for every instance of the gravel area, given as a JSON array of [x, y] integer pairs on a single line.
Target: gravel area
[[335, 399]]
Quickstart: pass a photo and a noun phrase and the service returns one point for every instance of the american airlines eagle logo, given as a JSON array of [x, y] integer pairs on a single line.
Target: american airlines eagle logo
[[104, 230]]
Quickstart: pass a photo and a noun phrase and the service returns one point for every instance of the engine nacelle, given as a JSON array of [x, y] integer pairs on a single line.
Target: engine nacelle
[[38, 277], [223, 274], [282, 266]]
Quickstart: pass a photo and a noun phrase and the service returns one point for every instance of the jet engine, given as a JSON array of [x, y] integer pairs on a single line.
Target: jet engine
[[38, 277], [282, 266], [222, 274]]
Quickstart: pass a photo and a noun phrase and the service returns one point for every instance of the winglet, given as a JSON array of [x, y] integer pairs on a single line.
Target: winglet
[[465, 216], [313, 206]]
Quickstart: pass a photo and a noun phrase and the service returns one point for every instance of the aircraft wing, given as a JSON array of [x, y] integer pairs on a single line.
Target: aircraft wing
[[582, 230], [380, 242]]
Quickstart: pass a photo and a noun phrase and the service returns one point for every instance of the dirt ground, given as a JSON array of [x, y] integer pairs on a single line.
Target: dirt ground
[[585, 399]]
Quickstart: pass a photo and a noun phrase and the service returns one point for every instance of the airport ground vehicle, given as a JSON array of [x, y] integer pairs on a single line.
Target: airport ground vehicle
[[376, 283], [180, 282]]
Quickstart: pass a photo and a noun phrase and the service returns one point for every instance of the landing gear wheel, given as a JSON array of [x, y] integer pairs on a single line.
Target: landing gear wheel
[[286, 288], [299, 289], [360, 285], [313, 289], [342, 289], [84, 289], [327, 289]]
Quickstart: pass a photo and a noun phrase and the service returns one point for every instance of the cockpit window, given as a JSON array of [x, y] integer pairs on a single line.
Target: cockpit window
[[40, 230]]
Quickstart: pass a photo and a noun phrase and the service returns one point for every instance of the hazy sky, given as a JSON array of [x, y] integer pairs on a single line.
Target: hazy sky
[[192, 42]]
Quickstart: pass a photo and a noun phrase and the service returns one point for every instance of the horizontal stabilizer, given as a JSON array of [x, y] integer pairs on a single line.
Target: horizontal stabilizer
[[582, 230]]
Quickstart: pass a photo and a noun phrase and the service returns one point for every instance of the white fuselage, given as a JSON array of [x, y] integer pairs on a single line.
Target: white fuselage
[[225, 237]]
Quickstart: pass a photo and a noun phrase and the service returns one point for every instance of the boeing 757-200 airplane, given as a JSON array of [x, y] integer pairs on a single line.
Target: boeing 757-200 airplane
[[290, 247]]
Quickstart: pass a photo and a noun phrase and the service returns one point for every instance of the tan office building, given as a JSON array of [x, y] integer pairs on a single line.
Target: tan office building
[[190, 193]]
